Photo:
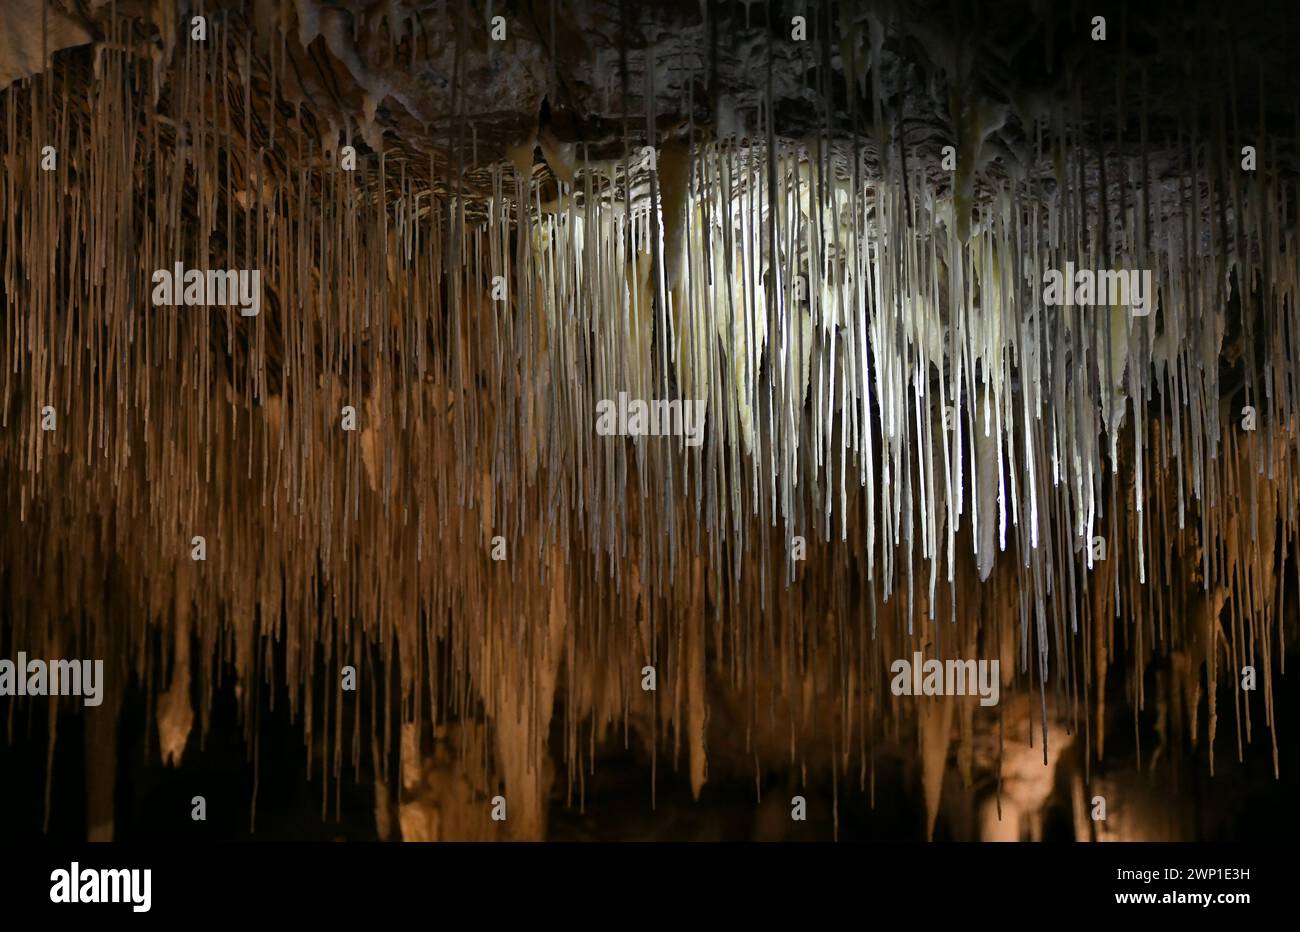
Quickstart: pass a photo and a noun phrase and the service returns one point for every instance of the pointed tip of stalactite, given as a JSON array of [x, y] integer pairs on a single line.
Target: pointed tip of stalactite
[[899, 406], [935, 728], [520, 155], [560, 156]]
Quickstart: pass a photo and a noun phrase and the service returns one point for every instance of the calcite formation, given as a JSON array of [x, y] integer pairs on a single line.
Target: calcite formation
[[465, 246]]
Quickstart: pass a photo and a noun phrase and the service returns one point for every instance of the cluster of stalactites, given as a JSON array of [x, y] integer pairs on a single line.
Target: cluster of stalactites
[[903, 442]]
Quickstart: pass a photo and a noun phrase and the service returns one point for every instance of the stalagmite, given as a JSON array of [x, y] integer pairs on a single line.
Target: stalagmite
[[175, 713]]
